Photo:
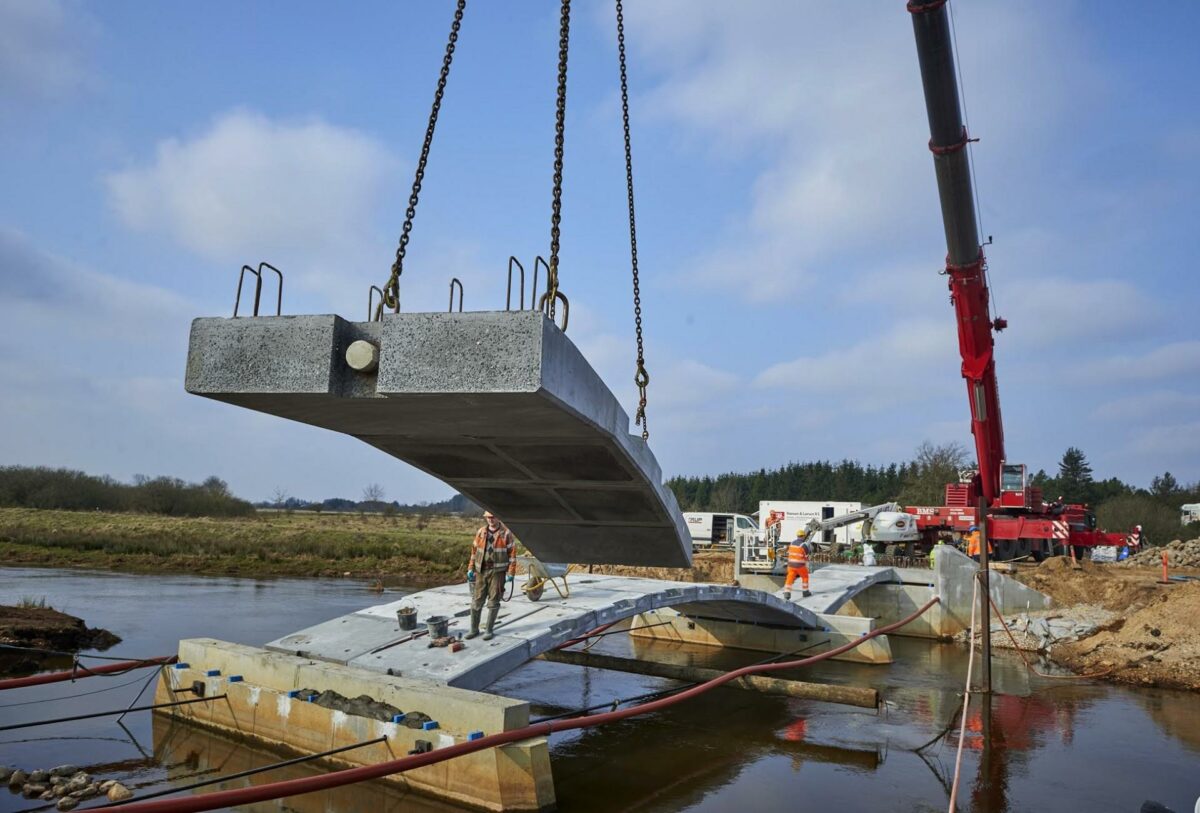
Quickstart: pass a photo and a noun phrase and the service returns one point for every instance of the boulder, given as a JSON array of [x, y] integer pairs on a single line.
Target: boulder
[[119, 793]]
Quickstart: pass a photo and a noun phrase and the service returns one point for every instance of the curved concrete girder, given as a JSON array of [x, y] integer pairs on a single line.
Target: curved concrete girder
[[499, 405], [525, 629]]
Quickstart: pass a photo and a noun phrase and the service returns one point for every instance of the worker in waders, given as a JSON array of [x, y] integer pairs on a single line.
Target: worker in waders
[[493, 563], [797, 564]]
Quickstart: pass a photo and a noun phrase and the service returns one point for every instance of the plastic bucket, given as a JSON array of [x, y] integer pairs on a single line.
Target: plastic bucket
[[407, 616], [439, 626]]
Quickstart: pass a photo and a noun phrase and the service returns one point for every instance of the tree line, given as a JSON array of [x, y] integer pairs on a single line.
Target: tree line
[[40, 487], [1118, 505]]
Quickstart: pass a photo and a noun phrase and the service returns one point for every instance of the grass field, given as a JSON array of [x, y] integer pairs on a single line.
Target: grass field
[[415, 550]]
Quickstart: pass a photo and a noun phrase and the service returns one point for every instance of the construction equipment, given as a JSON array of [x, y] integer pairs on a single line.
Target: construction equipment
[[769, 556], [542, 573], [1020, 522]]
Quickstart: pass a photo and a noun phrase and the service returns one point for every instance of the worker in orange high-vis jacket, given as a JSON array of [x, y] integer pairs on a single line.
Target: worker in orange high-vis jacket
[[797, 564], [493, 563], [974, 543]]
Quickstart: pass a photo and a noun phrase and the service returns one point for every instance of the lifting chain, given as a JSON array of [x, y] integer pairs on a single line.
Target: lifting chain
[[391, 289], [641, 378], [548, 301]]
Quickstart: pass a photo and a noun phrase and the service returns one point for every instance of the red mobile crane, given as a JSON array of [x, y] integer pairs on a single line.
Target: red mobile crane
[[1020, 522]]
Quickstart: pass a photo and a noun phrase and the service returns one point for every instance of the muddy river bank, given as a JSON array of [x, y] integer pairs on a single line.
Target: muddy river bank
[[1053, 744]]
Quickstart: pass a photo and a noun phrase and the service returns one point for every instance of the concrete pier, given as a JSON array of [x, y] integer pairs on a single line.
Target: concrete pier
[[499, 405], [264, 703]]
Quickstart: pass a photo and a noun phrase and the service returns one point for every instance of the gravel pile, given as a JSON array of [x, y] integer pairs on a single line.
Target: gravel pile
[[1179, 554], [64, 787]]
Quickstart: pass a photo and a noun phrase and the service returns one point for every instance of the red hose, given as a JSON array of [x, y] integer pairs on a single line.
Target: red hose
[[310, 784], [82, 672]]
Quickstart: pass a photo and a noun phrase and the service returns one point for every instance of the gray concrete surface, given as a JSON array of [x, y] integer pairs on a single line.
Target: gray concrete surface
[[367, 639], [499, 405], [953, 577]]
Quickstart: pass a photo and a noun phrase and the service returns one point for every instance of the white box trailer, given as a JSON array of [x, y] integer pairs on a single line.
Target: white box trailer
[[721, 528], [798, 513]]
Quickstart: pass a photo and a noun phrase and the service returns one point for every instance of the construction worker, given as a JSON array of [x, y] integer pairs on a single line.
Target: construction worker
[[493, 563], [1136, 540], [974, 543], [797, 564]]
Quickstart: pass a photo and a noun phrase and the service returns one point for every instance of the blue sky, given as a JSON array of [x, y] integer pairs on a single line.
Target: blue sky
[[788, 222]]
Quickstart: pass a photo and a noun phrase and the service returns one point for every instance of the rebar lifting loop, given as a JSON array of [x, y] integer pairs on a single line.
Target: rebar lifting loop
[[258, 283], [374, 314], [533, 297], [257, 290], [278, 294], [521, 300], [455, 281]]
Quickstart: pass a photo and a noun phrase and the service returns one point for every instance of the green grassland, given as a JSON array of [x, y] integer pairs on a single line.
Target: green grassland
[[401, 549]]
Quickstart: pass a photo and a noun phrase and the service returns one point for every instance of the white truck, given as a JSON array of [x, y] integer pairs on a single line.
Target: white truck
[[797, 514], [1189, 513], [720, 529]]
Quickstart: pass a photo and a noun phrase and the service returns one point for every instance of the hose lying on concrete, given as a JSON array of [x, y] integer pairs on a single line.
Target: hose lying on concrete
[[310, 784], [81, 671]]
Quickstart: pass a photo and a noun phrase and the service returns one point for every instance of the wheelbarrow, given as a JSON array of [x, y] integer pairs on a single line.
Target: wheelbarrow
[[542, 573]]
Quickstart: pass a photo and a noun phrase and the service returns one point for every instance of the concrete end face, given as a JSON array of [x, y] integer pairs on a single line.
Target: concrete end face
[[499, 405]]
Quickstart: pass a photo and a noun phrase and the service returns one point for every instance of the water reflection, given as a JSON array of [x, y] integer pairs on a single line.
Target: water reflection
[[192, 754]]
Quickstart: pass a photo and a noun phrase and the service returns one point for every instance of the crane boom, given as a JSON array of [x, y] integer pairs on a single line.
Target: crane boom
[[966, 267]]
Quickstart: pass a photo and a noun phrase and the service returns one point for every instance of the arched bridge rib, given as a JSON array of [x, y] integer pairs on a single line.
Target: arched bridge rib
[[371, 638]]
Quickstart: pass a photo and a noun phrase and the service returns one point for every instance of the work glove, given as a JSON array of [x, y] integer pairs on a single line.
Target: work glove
[[508, 578], [470, 576]]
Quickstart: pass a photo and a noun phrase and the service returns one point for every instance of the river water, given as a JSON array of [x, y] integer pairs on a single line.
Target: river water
[[1055, 744]]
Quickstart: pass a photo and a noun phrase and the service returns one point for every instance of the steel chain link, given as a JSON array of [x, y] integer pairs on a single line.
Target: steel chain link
[[641, 378], [391, 289], [549, 299]]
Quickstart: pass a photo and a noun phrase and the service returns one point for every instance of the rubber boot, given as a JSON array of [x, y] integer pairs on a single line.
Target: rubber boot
[[787, 595], [474, 624], [806, 594], [491, 623]]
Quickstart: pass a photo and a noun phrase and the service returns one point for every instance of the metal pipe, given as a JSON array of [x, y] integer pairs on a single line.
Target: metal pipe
[[74, 674], [112, 713]]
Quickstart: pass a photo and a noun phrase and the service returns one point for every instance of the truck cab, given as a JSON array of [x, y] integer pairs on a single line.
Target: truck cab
[[1015, 491]]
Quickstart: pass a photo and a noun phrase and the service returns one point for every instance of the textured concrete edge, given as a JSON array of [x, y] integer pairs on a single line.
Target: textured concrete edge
[[282, 672], [559, 355], [509, 778]]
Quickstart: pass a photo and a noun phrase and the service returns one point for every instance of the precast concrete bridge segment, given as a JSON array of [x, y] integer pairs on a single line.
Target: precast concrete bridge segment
[[499, 405], [371, 638]]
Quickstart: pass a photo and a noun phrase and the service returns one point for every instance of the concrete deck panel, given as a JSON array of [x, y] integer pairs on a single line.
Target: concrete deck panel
[[499, 405], [371, 639]]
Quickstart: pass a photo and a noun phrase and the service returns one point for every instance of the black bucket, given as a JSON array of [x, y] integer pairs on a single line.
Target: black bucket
[[439, 626], [407, 617]]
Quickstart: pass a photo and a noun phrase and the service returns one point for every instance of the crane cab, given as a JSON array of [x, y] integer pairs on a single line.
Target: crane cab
[[1015, 491]]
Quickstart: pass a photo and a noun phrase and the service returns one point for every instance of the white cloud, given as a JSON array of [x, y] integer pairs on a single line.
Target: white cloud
[[250, 187], [890, 368], [1177, 361], [41, 49], [1152, 406], [827, 100]]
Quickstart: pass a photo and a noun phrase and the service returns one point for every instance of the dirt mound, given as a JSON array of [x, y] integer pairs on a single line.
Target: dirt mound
[[1091, 583], [715, 567], [1157, 645], [45, 629], [1179, 554]]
